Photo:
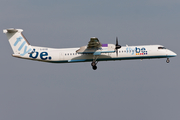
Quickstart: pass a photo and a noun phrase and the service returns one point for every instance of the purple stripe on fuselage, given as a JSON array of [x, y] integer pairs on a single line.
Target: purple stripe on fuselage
[[104, 45]]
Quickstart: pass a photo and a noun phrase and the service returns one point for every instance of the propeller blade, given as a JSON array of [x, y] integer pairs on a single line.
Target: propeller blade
[[116, 52], [116, 41], [117, 46]]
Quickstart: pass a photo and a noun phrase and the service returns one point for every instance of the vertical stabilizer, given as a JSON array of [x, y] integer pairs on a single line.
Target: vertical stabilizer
[[18, 42]]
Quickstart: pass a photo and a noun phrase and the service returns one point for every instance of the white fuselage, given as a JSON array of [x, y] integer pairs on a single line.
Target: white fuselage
[[69, 55]]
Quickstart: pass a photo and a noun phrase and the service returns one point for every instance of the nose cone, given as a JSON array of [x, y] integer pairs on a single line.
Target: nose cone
[[172, 54]]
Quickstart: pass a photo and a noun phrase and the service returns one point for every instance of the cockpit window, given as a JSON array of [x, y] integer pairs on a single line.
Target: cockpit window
[[161, 48]]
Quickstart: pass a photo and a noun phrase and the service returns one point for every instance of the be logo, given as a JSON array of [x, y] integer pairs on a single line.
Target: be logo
[[43, 55], [141, 51]]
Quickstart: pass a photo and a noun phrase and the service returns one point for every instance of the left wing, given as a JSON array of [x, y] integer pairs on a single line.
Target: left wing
[[96, 48]]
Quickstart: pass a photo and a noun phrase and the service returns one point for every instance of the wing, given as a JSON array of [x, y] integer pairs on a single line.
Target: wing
[[96, 48]]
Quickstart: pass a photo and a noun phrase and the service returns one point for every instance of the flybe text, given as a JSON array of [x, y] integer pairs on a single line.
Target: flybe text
[[136, 51], [22, 46], [23, 49]]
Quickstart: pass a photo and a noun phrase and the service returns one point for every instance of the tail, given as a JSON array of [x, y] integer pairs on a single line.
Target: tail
[[18, 42]]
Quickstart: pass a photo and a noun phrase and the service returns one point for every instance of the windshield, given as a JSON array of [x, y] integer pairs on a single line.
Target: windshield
[[161, 48]]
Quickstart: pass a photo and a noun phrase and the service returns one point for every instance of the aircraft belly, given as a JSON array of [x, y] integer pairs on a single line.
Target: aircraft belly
[[86, 57]]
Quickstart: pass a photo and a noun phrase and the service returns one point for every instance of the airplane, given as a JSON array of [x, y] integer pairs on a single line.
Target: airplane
[[94, 52]]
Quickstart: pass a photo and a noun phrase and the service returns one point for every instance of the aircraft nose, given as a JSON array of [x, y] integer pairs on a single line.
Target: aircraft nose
[[172, 54]]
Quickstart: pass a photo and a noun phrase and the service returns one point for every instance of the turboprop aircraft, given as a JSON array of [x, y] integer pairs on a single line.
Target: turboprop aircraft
[[95, 51]]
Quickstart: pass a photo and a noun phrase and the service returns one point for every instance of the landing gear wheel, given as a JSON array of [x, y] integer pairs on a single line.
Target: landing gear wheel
[[167, 60], [94, 67], [93, 64]]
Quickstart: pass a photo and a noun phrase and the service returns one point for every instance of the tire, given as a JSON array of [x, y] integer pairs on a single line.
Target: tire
[[94, 67]]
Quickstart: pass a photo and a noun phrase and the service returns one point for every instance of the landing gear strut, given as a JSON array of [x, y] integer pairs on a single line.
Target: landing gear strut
[[167, 60], [94, 62]]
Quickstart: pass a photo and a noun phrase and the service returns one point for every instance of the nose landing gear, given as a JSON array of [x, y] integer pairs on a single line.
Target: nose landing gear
[[167, 60]]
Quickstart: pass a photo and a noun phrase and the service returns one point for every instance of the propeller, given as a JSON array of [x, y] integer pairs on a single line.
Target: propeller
[[117, 46]]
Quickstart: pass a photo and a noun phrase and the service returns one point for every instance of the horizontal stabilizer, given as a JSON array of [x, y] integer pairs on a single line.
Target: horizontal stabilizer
[[12, 30]]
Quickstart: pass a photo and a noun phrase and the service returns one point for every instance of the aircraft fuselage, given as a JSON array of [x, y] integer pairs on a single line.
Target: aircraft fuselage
[[70, 55]]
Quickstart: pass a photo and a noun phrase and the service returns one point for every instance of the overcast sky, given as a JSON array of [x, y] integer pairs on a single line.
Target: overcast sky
[[117, 90]]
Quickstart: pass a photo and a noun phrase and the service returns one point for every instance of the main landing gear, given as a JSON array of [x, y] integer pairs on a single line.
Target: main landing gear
[[94, 62], [167, 60]]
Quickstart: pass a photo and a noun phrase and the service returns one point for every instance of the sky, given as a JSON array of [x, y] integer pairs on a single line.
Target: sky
[[134, 89]]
